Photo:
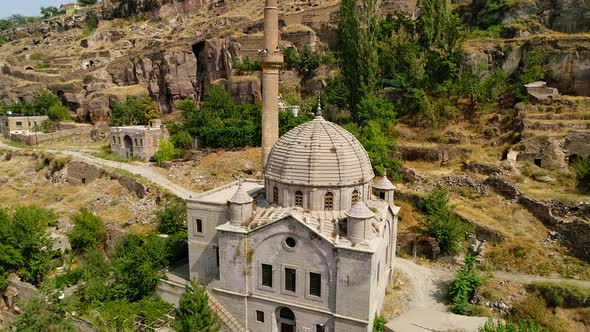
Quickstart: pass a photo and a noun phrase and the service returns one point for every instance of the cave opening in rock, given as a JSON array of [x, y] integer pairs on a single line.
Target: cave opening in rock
[[198, 49]]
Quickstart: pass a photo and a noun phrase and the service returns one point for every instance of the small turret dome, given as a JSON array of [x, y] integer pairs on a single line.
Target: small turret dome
[[384, 183]]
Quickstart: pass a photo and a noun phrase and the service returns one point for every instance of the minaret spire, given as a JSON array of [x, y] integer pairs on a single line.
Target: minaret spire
[[272, 61]]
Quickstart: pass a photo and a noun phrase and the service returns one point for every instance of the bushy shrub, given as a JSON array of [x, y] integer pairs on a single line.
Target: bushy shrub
[[246, 65], [582, 168], [379, 323], [166, 152], [172, 219], [39, 316], [563, 294], [89, 231], [441, 222], [182, 140], [58, 112], [463, 287], [496, 325]]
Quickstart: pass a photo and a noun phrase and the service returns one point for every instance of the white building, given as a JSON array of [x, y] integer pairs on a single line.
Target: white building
[[310, 248]]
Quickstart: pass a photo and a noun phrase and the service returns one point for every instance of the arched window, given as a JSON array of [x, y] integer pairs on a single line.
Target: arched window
[[355, 197], [329, 201], [275, 195], [298, 198]]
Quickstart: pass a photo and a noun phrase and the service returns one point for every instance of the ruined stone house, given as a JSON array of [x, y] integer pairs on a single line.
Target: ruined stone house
[[140, 142], [552, 152], [538, 92]]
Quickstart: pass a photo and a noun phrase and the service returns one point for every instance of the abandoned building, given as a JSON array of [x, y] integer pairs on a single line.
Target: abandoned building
[[14, 124], [70, 9], [139, 142], [552, 152], [540, 93], [309, 248]]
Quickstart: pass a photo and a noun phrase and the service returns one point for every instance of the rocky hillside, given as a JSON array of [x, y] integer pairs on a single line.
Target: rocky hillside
[[176, 49]]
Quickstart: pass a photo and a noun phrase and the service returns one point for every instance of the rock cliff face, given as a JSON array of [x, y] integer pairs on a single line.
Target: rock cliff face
[[567, 60], [570, 16]]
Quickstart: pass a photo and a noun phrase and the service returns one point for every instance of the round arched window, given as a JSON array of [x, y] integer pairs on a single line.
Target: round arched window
[[290, 242]]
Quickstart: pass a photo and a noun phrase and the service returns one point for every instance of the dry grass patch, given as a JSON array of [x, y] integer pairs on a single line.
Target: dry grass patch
[[397, 296]]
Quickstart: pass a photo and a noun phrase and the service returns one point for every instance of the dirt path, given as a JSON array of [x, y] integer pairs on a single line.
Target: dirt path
[[144, 170], [428, 285]]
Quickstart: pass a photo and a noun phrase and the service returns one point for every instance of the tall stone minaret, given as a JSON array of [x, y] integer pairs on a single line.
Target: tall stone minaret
[[272, 61]]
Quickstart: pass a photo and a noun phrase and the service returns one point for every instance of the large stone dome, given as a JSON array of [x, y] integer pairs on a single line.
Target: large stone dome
[[319, 153]]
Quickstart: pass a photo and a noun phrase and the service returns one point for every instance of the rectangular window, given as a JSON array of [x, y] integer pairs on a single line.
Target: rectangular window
[[319, 328], [315, 284], [217, 255], [114, 140], [290, 279], [199, 226], [267, 275], [19, 124], [136, 142], [259, 316], [141, 141]]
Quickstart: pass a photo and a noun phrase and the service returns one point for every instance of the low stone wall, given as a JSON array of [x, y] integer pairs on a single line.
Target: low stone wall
[[41, 137], [572, 222]]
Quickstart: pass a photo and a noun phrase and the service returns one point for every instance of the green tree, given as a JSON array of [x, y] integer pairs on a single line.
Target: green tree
[[358, 34], [182, 140], [194, 313], [172, 219], [292, 59], [136, 266], [134, 111], [25, 246], [441, 222], [51, 11], [89, 231], [43, 100], [531, 69]]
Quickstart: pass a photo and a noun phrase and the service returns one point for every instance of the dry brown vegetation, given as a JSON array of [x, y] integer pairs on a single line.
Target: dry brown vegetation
[[215, 169], [22, 185]]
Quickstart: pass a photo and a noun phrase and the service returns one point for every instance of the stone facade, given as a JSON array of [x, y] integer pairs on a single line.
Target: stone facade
[[12, 124], [310, 248], [552, 152], [136, 141]]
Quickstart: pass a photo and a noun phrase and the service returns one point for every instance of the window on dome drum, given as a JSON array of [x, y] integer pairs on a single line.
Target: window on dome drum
[[329, 201], [260, 316], [299, 198], [290, 279], [382, 195], [275, 195], [355, 197], [267, 275], [315, 284], [319, 328]]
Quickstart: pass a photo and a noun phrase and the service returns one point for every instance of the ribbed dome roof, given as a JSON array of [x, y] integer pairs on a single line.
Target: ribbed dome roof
[[319, 153]]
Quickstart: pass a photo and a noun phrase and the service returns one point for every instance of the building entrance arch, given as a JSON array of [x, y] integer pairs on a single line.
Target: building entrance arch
[[128, 144], [286, 320]]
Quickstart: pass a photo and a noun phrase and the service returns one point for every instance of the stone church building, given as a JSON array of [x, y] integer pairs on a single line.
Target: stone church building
[[310, 248]]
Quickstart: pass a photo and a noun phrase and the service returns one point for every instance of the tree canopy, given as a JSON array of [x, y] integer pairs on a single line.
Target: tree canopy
[[193, 313]]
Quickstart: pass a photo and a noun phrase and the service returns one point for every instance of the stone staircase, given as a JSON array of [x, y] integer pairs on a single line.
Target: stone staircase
[[229, 322], [171, 289]]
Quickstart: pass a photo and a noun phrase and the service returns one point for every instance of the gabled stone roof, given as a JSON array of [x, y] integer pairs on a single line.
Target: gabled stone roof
[[319, 153]]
